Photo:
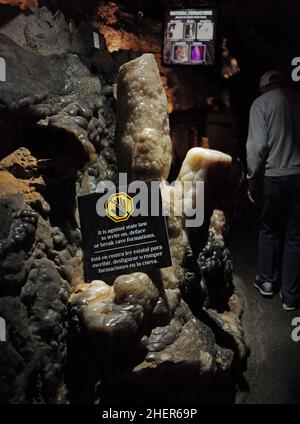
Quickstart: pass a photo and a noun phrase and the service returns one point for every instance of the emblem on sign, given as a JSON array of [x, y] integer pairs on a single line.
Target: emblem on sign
[[119, 207]]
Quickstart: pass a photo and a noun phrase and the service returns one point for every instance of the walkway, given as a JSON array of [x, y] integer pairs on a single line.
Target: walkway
[[274, 365]]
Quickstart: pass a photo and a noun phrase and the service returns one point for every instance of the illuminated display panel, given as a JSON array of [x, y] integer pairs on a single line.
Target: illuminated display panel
[[190, 37]]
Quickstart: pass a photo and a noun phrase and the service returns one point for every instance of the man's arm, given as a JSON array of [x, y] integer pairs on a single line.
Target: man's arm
[[257, 147]]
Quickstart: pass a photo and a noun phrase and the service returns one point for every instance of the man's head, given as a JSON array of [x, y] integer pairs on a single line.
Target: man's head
[[270, 80]]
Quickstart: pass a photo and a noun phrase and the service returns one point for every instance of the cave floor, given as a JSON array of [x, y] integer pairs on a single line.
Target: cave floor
[[273, 371]]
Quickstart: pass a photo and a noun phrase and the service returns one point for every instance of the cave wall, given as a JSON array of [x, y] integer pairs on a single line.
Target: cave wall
[[57, 130], [192, 93]]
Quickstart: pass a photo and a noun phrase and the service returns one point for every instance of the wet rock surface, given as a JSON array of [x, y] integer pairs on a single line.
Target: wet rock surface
[[150, 332], [33, 302], [57, 127]]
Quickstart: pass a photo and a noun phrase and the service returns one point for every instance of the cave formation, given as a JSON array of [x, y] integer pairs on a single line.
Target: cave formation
[[171, 335]]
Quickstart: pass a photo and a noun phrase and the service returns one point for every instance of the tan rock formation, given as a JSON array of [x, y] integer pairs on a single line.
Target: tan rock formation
[[143, 143]]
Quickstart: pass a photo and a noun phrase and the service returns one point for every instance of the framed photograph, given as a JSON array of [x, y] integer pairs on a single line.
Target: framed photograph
[[205, 30], [189, 30], [175, 30], [198, 53], [180, 52]]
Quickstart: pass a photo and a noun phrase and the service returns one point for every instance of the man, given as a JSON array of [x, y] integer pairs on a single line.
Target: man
[[273, 150]]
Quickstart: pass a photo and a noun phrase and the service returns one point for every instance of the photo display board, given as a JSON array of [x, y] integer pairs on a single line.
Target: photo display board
[[190, 37]]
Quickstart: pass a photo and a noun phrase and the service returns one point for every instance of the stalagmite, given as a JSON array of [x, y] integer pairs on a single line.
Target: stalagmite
[[198, 165], [123, 309], [198, 161], [144, 151], [143, 143], [142, 315], [181, 200]]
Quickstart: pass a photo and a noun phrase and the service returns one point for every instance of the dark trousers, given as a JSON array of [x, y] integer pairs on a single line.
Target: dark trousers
[[281, 223]]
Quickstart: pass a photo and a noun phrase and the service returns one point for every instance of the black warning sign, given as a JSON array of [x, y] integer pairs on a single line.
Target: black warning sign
[[123, 232]]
